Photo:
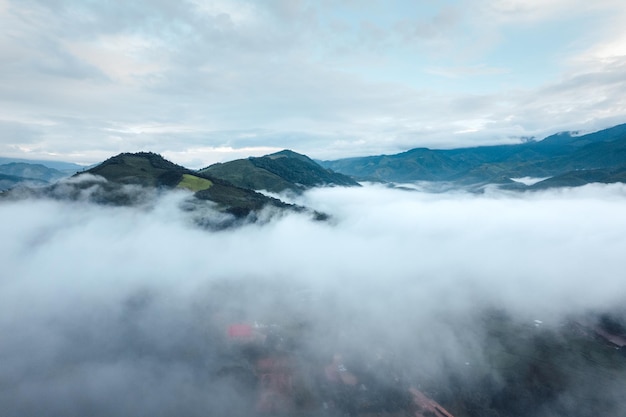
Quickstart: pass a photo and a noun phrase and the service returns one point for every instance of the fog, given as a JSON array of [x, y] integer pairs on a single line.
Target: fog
[[112, 310]]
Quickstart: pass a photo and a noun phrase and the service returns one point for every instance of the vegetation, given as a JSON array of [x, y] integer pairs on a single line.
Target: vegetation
[[581, 177], [278, 172], [535, 370], [20, 173], [193, 183], [238, 201], [522, 368], [9, 181], [556, 155], [31, 171], [245, 174], [136, 179], [143, 168]]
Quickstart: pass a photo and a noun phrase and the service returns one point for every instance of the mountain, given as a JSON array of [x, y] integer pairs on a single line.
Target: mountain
[[151, 170], [67, 168], [21, 173], [581, 177], [32, 171], [555, 155], [142, 168], [9, 181], [137, 178], [277, 172]]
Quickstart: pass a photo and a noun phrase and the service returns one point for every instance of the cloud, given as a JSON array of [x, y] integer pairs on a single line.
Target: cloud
[[330, 79], [112, 311], [467, 71], [535, 11]]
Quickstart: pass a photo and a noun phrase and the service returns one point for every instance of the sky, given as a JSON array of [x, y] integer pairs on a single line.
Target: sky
[[202, 81], [112, 310]]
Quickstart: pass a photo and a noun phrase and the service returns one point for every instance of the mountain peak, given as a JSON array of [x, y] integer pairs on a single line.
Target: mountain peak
[[144, 168], [555, 155], [288, 153], [277, 172], [131, 158]]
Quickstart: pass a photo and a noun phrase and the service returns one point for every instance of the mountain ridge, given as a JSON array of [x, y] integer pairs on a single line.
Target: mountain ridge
[[16, 173], [285, 170], [136, 179], [65, 167], [566, 155], [555, 155], [152, 170]]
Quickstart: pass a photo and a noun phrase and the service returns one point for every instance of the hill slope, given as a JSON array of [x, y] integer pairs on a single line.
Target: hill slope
[[9, 181], [137, 178], [151, 170], [31, 171], [67, 168], [581, 177], [277, 172], [142, 168], [20, 173], [555, 155]]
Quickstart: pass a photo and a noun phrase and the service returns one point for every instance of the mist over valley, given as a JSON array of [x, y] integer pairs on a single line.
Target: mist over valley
[[488, 304], [302, 208]]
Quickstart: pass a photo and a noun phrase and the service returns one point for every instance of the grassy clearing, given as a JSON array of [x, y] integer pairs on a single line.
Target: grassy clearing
[[194, 183]]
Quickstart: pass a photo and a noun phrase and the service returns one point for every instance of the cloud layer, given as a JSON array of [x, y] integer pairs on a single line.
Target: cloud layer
[[111, 311], [205, 81]]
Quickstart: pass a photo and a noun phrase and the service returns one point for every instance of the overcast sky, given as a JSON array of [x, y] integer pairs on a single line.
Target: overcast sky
[[201, 81]]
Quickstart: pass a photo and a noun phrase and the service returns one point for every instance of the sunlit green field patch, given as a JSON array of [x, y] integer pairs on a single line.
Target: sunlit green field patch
[[194, 183]]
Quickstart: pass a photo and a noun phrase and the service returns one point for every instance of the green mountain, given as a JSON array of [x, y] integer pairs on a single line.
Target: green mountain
[[555, 155], [277, 172], [137, 178], [142, 168], [577, 178], [151, 170]]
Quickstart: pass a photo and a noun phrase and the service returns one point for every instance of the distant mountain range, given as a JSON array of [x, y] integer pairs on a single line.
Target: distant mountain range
[[561, 160], [14, 173], [32, 171], [602, 155], [65, 167]]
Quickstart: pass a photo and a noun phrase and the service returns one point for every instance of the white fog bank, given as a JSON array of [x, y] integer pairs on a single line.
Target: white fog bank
[[88, 290]]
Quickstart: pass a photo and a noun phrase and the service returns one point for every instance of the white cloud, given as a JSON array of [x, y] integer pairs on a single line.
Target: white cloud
[[388, 236], [201, 157], [125, 298], [456, 72], [328, 79], [124, 58], [533, 11]]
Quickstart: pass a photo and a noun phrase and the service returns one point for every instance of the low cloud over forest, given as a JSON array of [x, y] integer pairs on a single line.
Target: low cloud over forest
[[117, 311]]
